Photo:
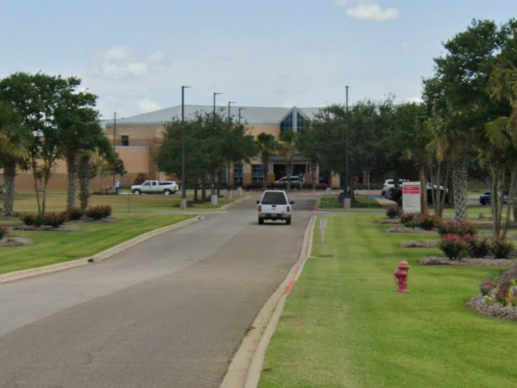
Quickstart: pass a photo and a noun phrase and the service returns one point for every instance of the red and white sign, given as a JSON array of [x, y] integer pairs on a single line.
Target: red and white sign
[[411, 197]]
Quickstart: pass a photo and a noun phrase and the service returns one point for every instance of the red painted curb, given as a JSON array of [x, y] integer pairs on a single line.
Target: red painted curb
[[289, 287]]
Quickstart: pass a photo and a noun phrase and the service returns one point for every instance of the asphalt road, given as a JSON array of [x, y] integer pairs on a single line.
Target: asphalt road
[[169, 312]]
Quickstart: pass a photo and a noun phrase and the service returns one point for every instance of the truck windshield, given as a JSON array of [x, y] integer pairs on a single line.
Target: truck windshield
[[274, 199]]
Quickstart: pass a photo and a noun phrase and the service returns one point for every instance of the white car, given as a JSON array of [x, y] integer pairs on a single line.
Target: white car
[[155, 187], [389, 183], [274, 205]]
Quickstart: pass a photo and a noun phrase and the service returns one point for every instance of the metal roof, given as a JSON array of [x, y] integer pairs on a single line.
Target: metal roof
[[249, 114]]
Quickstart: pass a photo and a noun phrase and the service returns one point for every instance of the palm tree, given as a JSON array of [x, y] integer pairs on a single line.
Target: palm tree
[[267, 145], [287, 150], [14, 140]]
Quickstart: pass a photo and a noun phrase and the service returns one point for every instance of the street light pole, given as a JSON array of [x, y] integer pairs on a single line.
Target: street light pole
[[347, 200], [240, 114], [183, 201], [213, 193], [114, 138], [229, 107]]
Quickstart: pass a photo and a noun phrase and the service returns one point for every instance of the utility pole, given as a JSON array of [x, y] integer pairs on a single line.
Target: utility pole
[[183, 201], [114, 138], [213, 193], [347, 200]]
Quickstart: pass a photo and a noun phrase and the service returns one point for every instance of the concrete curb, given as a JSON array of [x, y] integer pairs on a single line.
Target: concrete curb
[[246, 367], [18, 275]]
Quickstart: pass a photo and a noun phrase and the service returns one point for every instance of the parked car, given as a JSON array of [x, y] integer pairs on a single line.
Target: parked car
[[155, 187], [389, 183], [295, 180], [274, 205], [486, 198]]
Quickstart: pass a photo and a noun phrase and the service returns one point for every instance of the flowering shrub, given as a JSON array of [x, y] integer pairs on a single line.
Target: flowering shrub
[[47, 219], [427, 221], [393, 212], [458, 228], [477, 247], [453, 246], [407, 219], [98, 212], [3, 231], [502, 248], [486, 286]]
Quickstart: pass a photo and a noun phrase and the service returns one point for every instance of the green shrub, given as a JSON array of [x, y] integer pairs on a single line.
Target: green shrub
[[140, 178], [461, 228], [3, 231], [477, 247], [453, 246], [502, 248], [393, 212], [98, 212], [30, 219], [75, 214]]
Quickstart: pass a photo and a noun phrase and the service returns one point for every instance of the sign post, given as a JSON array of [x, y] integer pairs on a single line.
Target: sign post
[[411, 197], [323, 226]]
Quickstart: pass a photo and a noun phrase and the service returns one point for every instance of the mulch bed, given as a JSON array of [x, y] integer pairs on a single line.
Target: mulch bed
[[403, 229], [495, 309], [15, 241], [469, 262], [389, 221], [419, 244], [108, 220], [62, 228]]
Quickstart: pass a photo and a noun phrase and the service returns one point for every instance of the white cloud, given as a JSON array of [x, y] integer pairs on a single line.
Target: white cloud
[[118, 54], [156, 57], [405, 47], [148, 105], [366, 10]]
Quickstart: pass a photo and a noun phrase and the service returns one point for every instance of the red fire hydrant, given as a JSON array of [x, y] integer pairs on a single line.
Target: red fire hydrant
[[401, 276]]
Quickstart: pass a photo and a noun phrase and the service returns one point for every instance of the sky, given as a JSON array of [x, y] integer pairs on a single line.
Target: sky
[[136, 54]]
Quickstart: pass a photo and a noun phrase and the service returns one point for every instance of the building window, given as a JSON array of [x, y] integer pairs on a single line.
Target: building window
[[301, 122], [124, 140], [257, 172], [287, 124], [238, 175]]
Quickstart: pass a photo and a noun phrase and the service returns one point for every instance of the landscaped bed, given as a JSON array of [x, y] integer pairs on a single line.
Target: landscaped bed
[[345, 326]]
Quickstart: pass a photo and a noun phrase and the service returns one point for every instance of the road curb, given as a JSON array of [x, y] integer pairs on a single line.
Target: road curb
[[18, 275], [234, 202], [246, 367]]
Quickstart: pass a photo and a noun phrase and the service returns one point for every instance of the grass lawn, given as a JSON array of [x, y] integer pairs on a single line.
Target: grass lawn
[[57, 247], [331, 202], [345, 326], [25, 201]]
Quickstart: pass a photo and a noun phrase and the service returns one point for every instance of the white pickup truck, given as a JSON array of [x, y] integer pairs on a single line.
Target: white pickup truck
[[155, 187]]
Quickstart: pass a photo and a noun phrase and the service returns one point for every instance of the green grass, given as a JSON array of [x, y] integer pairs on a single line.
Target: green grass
[[331, 202], [25, 201], [345, 326], [58, 247]]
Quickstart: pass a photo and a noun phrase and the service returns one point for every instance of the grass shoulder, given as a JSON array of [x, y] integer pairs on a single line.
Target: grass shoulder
[[91, 238]]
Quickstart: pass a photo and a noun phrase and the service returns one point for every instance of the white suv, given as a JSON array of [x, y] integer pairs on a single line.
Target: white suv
[[274, 205]]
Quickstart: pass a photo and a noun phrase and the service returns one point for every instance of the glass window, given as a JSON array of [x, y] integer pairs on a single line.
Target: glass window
[[238, 175], [124, 140], [287, 124], [274, 198], [302, 122], [257, 173]]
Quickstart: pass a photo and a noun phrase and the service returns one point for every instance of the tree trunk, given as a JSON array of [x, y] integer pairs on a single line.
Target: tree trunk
[[203, 192], [423, 189], [289, 171], [10, 180], [36, 177], [84, 178], [265, 167], [511, 200], [195, 189], [459, 182], [72, 181]]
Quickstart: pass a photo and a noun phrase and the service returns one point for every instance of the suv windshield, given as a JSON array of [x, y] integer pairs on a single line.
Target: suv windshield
[[274, 199]]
